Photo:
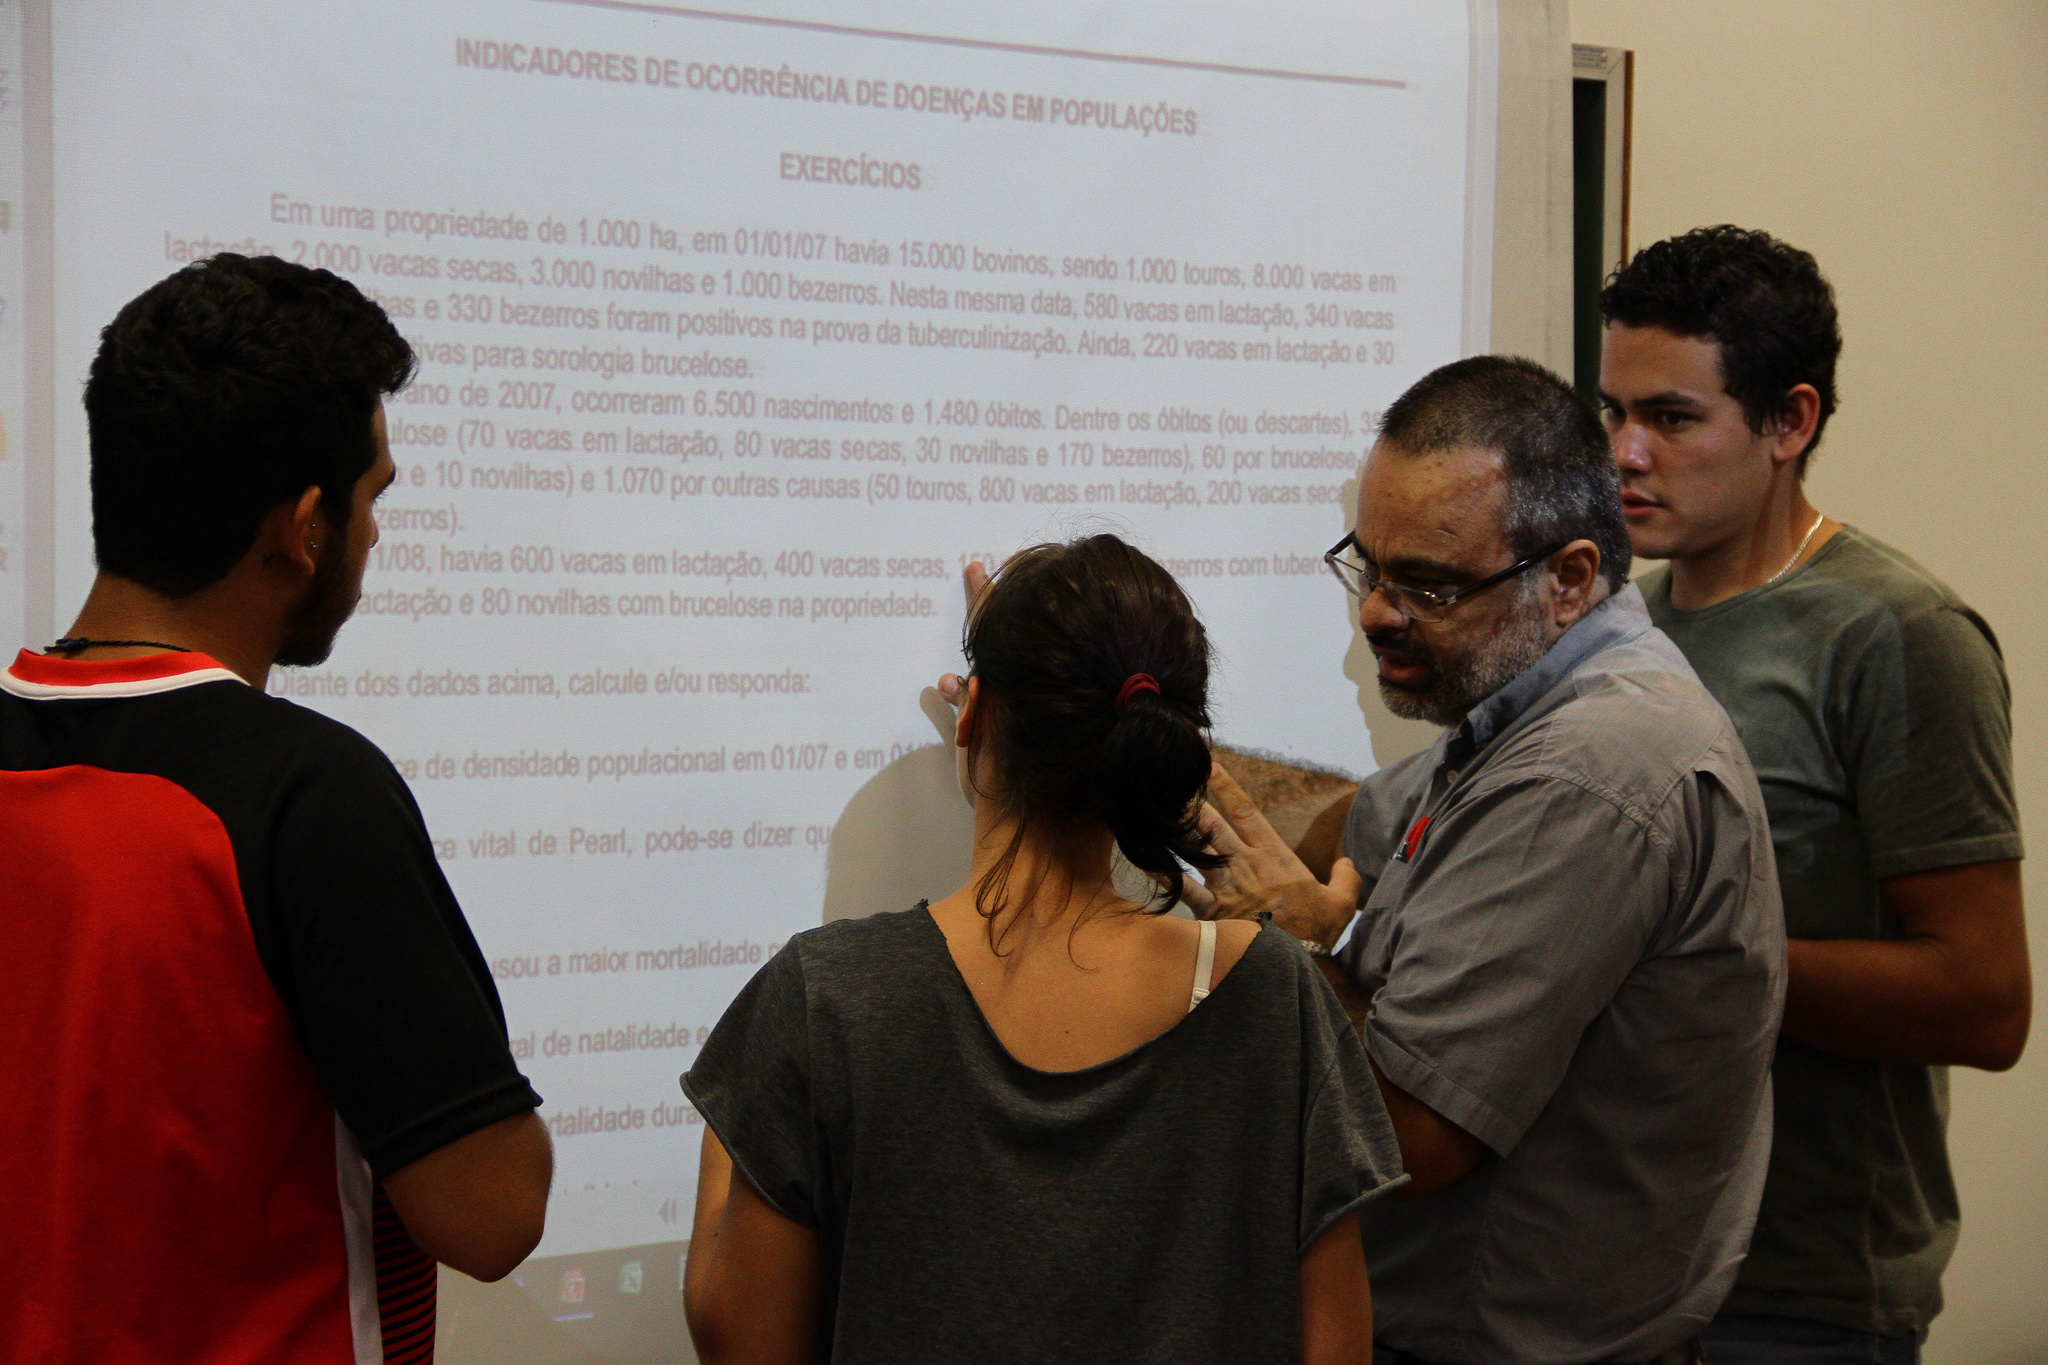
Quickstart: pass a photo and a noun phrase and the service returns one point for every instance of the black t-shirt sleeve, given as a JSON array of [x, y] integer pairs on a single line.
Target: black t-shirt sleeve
[[383, 979], [1348, 1149], [753, 1085]]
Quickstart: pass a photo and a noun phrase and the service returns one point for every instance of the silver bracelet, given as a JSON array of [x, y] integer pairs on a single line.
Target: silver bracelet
[[1315, 949]]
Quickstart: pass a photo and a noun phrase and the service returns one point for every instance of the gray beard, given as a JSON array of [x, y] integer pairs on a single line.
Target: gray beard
[[1462, 685]]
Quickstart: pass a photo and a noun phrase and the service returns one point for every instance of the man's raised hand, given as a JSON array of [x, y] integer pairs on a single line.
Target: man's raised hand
[[1264, 874]]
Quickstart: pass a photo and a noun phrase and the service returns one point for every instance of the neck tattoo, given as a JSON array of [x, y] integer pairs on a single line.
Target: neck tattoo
[[1804, 541]]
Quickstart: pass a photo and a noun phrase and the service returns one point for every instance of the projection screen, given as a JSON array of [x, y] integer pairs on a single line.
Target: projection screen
[[742, 331]]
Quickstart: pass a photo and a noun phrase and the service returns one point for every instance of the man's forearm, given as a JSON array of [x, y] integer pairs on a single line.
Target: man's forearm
[[1953, 988], [480, 1203], [1353, 999], [1897, 1000], [1434, 1150]]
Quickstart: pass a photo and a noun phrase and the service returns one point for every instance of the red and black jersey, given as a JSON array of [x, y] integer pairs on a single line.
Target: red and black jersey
[[238, 992]]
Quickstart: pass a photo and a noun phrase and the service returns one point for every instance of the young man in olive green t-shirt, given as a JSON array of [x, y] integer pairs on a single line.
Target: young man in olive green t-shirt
[[1874, 706]]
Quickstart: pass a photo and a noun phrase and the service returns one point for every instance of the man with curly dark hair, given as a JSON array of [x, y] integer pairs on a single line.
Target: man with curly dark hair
[[1875, 708], [256, 1060]]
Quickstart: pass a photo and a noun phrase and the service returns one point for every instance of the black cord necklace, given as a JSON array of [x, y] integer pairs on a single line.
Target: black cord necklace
[[73, 644]]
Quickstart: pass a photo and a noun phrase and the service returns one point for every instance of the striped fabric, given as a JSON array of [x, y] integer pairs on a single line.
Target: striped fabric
[[405, 1287]]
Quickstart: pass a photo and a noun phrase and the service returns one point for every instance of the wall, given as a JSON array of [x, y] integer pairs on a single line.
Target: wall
[[1906, 145]]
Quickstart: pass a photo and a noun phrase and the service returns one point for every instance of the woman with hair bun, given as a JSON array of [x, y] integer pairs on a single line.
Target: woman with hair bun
[[1035, 1121]]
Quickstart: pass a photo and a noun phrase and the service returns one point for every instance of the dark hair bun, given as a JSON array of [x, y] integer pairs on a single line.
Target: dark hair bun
[[1054, 641]]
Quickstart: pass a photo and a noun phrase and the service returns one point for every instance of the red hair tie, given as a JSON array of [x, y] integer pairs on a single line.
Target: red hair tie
[[1133, 685]]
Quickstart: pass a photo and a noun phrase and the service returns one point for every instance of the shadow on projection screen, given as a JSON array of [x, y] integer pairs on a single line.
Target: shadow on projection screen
[[742, 332]]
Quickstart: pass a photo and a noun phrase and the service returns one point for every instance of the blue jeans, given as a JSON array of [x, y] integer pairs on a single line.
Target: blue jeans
[[1795, 1341]]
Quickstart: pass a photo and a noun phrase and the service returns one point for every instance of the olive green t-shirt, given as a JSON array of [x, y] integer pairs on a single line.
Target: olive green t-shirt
[[1875, 709]]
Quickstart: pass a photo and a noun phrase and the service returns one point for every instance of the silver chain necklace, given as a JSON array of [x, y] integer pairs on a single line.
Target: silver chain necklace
[[1807, 539]]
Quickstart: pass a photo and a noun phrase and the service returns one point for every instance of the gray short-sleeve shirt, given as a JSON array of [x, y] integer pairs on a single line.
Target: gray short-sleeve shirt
[[1874, 705], [1579, 959], [1152, 1209]]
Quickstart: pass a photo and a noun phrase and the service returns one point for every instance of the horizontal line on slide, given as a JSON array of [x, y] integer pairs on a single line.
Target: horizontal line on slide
[[985, 44]]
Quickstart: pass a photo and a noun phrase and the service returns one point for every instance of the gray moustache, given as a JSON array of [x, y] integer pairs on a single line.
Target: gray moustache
[[1404, 653]]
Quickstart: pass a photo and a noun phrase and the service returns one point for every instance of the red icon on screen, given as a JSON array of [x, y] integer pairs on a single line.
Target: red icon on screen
[[572, 1285]]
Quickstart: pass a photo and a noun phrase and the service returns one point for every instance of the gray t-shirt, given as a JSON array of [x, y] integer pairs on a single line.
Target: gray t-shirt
[[1874, 706], [1580, 960], [971, 1208]]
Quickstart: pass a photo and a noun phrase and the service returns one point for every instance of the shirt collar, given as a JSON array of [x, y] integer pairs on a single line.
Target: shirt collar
[[41, 677], [1620, 618]]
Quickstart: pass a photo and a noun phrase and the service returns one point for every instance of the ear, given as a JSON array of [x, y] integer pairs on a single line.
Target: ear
[[1797, 424], [970, 707], [1576, 571], [295, 531]]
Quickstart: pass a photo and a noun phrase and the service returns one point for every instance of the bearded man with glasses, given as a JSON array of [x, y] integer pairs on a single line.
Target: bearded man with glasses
[[1570, 961]]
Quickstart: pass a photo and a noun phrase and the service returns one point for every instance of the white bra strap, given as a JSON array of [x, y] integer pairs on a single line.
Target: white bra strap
[[1205, 964]]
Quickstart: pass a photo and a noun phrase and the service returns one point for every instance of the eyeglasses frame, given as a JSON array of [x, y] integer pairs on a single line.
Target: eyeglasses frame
[[1397, 593]]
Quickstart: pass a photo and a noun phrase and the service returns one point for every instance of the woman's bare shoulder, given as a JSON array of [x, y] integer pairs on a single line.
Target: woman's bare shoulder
[[1233, 937]]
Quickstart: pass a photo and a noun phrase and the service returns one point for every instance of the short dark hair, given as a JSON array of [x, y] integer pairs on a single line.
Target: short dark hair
[[220, 392], [1562, 483], [1053, 641], [1764, 302]]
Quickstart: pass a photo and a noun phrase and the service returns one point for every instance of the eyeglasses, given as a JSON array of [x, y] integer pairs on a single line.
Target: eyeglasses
[[1417, 604]]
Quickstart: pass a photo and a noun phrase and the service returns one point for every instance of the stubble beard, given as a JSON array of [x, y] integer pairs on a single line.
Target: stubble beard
[[1647, 543], [330, 600], [1462, 684]]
